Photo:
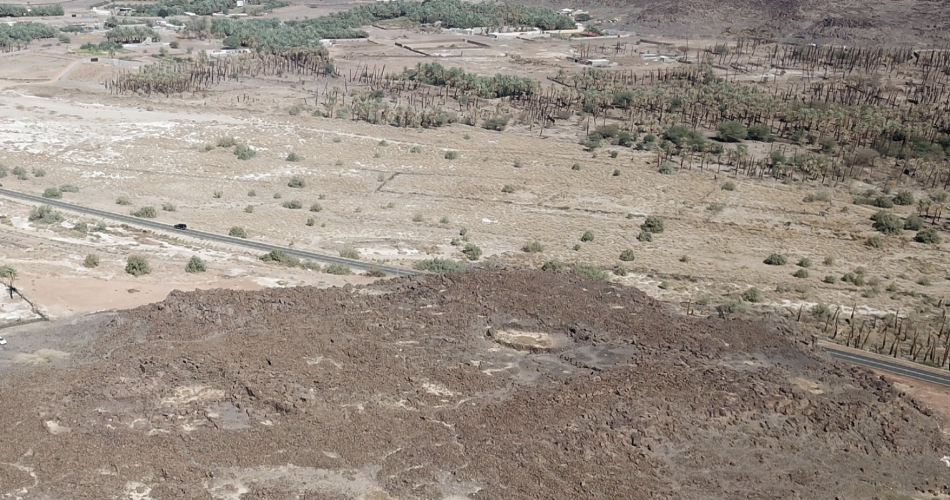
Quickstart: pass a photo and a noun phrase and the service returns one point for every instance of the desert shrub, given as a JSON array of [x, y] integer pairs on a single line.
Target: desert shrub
[[217, 194], [278, 196], [821, 310], [619, 270], [444, 220], [375, 273], [52, 193], [824, 196], [667, 169], [81, 227], [349, 253], [913, 223], [19, 171], [91, 261], [137, 265], [716, 207], [591, 271], [100, 226], [237, 232], [804, 262], [729, 186], [874, 242], [227, 142], [415, 149], [123, 200], [553, 265], [497, 123], [311, 222], [168, 207], [880, 202], [776, 259], [311, 265], [928, 236], [316, 207], [616, 172], [652, 224], [829, 279], [291, 156], [451, 155], [195, 265], [418, 218], [887, 223], [292, 204], [753, 295], [613, 154], [67, 188], [472, 252], [903, 198], [517, 164], [252, 193], [801, 273], [296, 182], [533, 247], [45, 214], [3, 171], [576, 166], [438, 265], [244, 152], [39, 172], [855, 278], [249, 209], [508, 188], [760, 132], [731, 307], [732, 131], [645, 236], [627, 255], [281, 257], [146, 212], [587, 236]]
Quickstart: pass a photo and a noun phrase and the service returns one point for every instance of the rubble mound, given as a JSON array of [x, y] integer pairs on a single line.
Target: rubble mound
[[484, 384]]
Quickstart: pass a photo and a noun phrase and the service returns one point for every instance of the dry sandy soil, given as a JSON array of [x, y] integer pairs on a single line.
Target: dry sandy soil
[[485, 384]]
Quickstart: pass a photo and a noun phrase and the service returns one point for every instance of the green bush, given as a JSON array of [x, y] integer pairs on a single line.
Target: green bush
[[316, 207], [418, 218], [217, 194], [472, 252], [292, 204], [278, 196], [438, 265], [753, 295], [67, 188], [821, 310], [311, 222], [291, 156], [913, 223], [874, 242], [729, 186], [627, 255], [801, 273], [533, 247], [760, 132], [39, 172], [451, 155], [823, 196], [145, 212], [887, 223], [52, 193], [3, 171], [667, 169], [591, 271], [350, 253], [136, 265], [296, 182], [81, 227], [281, 257], [928, 236], [497, 123], [645, 236], [587, 236], [804, 262], [830, 279], [45, 214], [652, 224], [237, 232], [91, 261], [553, 265], [508, 188], [855, 278], [195, 265], [252, 193], [227, 142], [904, 198], [731, 307], [576, 166], [249, 209], [244, 152], [415, 149], [776, 259], [168, 207], [123, 200], [732, 131]]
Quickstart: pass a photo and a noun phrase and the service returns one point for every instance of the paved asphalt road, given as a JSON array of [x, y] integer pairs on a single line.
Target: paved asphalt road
[[887, 366], [128, 219]]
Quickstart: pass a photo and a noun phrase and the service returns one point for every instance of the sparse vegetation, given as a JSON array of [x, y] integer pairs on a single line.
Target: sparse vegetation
[[39, 172], [195, 265], [472, 252], [887, 223], [533, 247], [123, 200], [293, 157], [913, 223], [438, 265], [91, 261], [292, 204], [137, 265], [652, 225], [67, 188], [244, 152], [296, 182], [237, 232], [316, 207], [311, 222], [776, 259], [146, 212], [168, 207], [804, 262], [874, 242], [249, 209], [350, 253], [928, 236], [829, 279], [729, 186], [281, 257], [591, 271], [418, 218], [822, 196], [587, 236], [753, 295], [252, 193], [45, 214], [227, 142], [451, 155], [801, 273], [217, 194], [627, 255], [645, 236], [52, 192]]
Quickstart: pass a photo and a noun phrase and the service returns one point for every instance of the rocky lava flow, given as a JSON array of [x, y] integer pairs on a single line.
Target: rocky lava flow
[[485, 384]]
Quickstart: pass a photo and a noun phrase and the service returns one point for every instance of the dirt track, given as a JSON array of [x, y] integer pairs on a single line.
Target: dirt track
[[488, 384]]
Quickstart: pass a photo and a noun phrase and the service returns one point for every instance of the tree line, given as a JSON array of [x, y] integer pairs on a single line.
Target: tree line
[[8, 10]]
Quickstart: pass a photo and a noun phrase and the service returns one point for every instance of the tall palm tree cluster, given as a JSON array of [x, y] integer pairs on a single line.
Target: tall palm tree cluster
[[18, 35], [131, 34], [487, 87]]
